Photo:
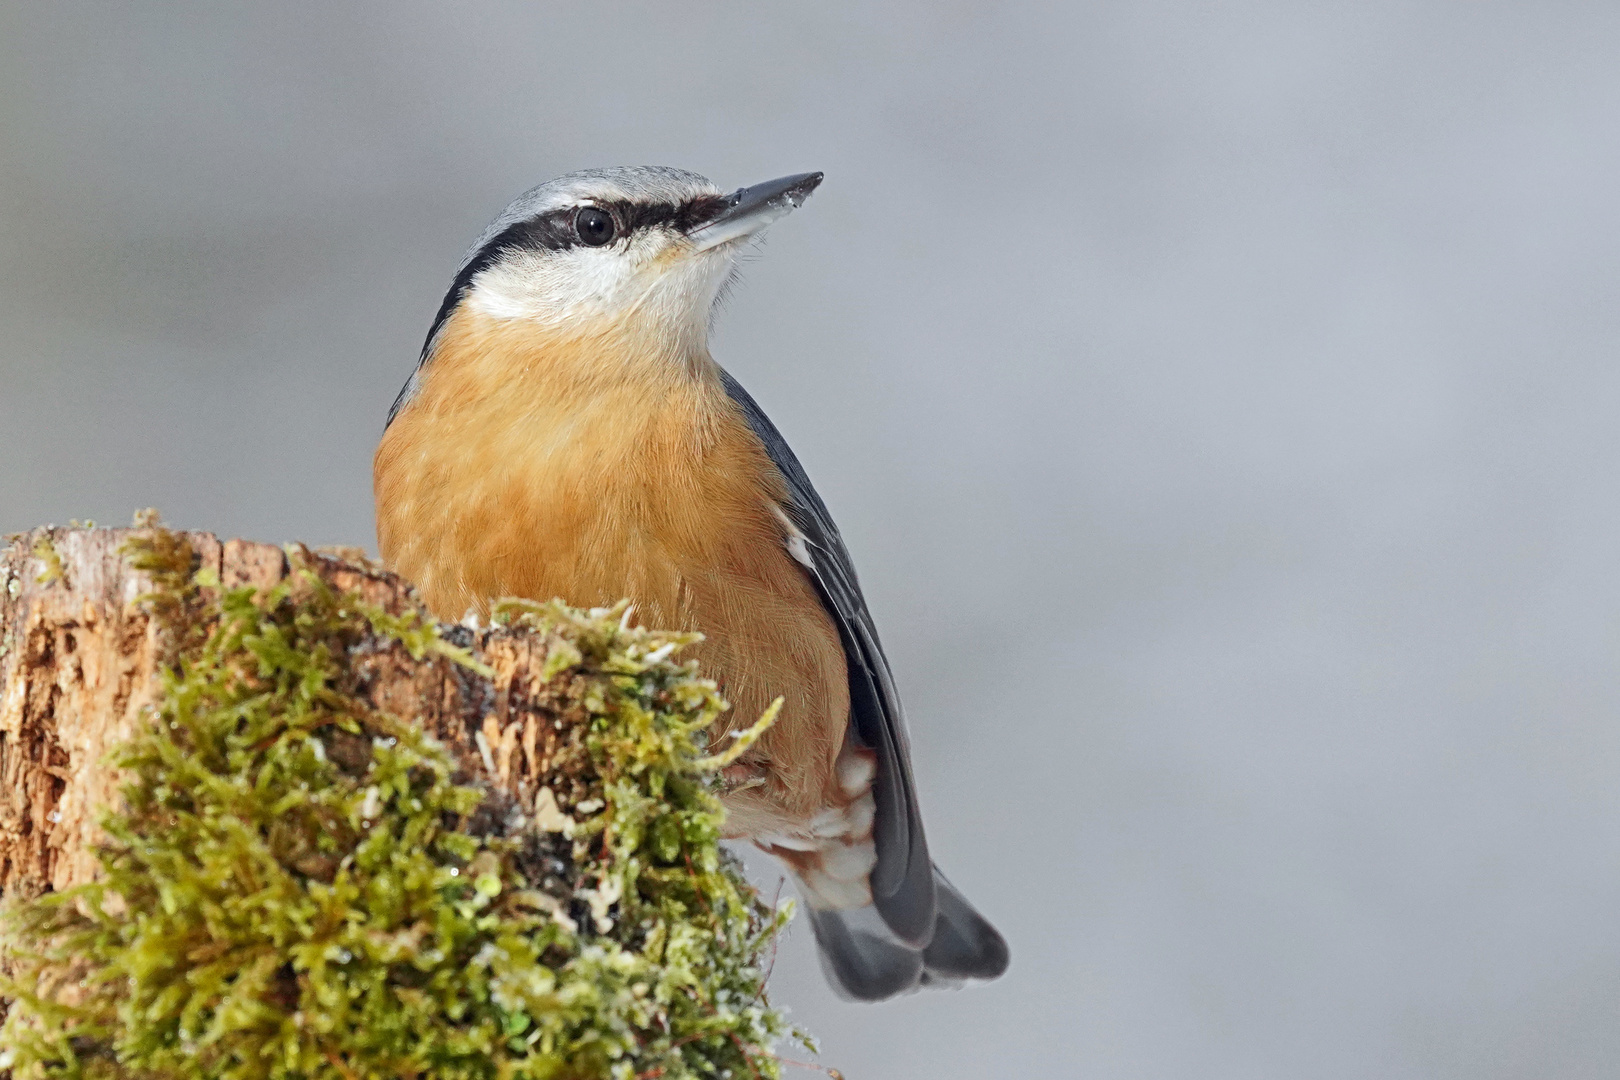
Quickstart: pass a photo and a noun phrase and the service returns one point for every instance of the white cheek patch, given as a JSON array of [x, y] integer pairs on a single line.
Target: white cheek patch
[[583, 286], [552, 287]]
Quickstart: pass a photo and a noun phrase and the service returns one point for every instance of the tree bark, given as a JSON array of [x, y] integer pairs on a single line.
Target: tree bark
[[82, 656]]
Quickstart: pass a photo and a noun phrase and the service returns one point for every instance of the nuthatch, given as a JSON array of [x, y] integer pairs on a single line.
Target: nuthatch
[[567, 434]]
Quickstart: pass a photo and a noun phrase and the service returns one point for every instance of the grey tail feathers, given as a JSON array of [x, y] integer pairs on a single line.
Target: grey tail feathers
[[866, 961]]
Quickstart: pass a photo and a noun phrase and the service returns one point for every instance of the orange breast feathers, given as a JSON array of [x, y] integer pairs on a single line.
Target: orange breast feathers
[[535, 465]]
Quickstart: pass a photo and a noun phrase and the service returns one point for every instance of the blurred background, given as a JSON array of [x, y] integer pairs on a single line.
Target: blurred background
[[1219, 400]]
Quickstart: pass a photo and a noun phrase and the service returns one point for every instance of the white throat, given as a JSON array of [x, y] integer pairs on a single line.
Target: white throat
[[658, 287]]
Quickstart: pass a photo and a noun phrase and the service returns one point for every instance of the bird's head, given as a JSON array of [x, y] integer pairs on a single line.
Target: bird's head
[[641, 246]]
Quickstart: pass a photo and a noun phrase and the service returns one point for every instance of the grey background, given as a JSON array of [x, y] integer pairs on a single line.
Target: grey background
[[1219, 401]]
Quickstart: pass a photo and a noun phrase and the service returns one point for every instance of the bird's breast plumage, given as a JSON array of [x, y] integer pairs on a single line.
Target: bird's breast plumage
[[590, 468]]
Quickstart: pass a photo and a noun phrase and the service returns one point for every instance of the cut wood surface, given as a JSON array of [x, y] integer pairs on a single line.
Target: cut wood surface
[[81, 657]]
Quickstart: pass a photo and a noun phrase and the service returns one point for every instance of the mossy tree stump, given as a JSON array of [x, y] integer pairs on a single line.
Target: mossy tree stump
[[548, 783], [81, 659]]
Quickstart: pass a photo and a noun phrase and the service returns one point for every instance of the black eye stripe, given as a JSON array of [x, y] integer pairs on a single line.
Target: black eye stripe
[[557, 229], [682, 217]]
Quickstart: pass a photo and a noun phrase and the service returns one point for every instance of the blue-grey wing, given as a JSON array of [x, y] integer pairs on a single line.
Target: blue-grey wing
[[903, 880]]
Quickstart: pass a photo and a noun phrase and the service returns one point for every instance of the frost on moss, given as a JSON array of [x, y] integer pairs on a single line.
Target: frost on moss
[[296, 886]]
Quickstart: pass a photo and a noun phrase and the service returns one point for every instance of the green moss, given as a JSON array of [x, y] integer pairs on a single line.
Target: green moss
[[299, 887], [45, 551]]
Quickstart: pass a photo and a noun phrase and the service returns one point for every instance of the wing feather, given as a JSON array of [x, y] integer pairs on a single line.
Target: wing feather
[[903, 880]]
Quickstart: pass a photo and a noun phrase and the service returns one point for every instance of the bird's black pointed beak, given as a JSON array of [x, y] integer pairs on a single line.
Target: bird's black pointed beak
[[748, 210]]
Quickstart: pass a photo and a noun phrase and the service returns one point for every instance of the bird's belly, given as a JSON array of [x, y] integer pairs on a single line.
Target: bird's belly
[[686, 555]]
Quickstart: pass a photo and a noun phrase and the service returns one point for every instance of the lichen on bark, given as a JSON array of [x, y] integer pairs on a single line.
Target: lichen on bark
[[299, 883]]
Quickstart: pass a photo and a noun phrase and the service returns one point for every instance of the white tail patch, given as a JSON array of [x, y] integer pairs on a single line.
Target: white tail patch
[[857, 768], [832, 854], [849, 862], [831, 894]]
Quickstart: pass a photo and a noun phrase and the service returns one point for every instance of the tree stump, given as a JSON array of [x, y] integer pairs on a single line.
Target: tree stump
[[461, 850], [81, 656]]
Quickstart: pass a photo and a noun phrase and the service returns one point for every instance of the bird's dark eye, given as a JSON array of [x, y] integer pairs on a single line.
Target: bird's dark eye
[[595, 227]]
